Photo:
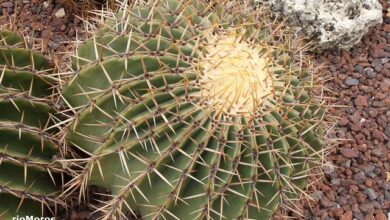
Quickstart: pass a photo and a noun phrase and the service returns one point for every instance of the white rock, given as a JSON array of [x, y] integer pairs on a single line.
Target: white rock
[[45, 4], [328, 167], [332, 23], [60, 13]]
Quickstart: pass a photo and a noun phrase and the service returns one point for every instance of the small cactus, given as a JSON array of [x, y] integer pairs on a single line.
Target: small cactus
[[29, 178], [190, 110]]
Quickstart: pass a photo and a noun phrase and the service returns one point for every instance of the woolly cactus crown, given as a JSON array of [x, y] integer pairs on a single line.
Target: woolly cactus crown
[[189, 109]]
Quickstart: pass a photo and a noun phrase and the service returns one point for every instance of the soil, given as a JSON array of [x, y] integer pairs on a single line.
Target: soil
[[356, 183]]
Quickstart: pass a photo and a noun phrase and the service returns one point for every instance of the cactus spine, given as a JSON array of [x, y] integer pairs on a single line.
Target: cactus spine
[[189, 110], [29, 179]]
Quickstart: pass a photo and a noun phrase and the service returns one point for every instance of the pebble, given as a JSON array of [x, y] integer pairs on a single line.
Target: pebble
[[367, 207], [325, 202], [60, 13], [359, 177], [370, 72], [378, 151], [346, 216], [380, 216], [7, 4], [387, 131], [351, 81], [367, 168], [377, 68], [361, 100], [335, 182], [349, 152], [328, 167], [387, 196], [317, 195], [369, 217], [370, 193], [358, 68]]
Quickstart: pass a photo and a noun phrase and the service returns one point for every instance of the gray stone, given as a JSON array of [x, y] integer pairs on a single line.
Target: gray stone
[[370, 193], [7, 4], [372, 175], [351, 81], [359, 177], [331, 23], [378, 151], [380, 61], [378, 67], [335, 182], [328, 167], [369, 72], [367, 168], [317, 195], [367, 207], [348, 163], [358, 68], [387, 195], [325, 202], [387, 131]]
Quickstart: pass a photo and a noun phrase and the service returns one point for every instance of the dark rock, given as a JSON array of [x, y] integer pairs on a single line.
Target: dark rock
[[351, 81], [370, 193], [359, 177], [325, 202], [387, 131], [358, 68], [367, 207]]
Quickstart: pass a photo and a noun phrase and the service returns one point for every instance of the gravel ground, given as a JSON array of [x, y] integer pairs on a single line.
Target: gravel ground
[[44, 22], [358, 187]]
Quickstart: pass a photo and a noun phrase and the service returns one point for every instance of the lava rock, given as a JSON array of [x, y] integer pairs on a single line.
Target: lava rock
[[370, 193], [367, 207], [361, 101], [346, 216], [349, 152]]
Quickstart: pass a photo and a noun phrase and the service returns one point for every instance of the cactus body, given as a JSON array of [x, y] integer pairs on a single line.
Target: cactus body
[[192, 111], [27, 146]]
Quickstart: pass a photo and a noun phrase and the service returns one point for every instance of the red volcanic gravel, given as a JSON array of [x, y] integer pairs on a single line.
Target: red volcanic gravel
[[357, 187], [37, 20]]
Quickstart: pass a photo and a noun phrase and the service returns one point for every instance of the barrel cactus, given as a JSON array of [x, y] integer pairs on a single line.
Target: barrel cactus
[[194, 110], [29, 178]]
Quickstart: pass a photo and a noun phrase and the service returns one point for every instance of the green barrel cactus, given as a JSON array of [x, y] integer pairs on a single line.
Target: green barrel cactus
[[29, 178], [194, 110]]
